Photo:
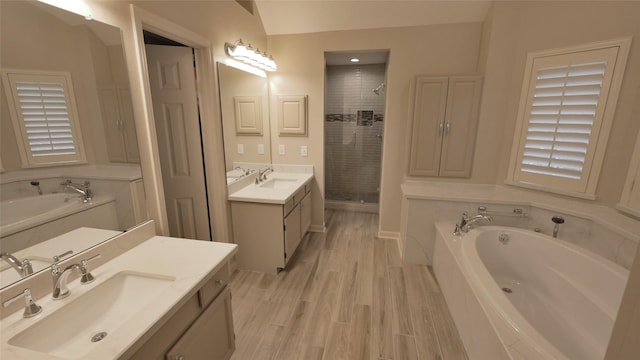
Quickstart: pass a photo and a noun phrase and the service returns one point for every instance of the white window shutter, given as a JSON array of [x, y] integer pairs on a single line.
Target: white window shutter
[[45, 117], [566, 100]]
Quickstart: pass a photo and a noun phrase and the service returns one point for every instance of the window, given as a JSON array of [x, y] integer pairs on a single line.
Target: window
[[44, 115], [566, 109]]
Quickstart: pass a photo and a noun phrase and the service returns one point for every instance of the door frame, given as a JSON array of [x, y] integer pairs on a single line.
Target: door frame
[[211, 127]]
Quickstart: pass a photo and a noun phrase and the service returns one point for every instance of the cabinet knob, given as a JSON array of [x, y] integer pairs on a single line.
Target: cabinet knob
[[179, 357], [219, 282]]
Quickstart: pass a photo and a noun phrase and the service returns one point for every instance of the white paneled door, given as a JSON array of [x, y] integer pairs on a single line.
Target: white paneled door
[[175, 108]]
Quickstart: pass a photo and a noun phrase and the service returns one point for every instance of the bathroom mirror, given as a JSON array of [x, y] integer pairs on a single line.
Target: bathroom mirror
[[244, 95], [38, 38]]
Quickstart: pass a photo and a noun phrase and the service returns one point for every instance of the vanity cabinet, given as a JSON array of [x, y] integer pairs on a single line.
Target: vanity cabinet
[[445, 117], [201, 329], [268, 234], [117, 117]]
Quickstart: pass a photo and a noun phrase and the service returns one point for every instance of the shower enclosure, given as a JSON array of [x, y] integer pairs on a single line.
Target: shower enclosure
[[354, 118]]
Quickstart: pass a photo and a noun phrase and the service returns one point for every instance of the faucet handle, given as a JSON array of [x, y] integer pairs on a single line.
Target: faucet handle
[[87, 277], [31, 309], [57, 258]]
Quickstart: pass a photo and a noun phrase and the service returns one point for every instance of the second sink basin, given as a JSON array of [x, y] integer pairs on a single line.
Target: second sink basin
[[78, 327], [279, 183]]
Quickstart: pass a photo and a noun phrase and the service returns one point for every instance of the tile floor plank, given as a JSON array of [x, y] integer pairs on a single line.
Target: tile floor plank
[[344, 295]]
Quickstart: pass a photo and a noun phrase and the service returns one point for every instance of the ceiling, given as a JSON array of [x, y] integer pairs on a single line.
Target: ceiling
[[307, 16]]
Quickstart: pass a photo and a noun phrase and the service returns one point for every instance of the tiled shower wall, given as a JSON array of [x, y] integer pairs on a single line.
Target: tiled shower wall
[[353, 142]]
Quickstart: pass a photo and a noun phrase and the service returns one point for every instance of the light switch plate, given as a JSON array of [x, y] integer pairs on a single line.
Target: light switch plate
[[304, 150], [281, 149], [240, 148], [261, 149]]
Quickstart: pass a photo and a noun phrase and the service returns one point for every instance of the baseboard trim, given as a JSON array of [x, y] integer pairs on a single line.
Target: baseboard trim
[[389, 235]]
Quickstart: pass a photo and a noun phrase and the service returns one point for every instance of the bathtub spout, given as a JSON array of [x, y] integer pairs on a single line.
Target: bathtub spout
[[469, 224], [82, 189], [23, 268]]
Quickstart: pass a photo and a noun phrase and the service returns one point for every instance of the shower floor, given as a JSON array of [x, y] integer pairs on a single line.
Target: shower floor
[[360, 197]]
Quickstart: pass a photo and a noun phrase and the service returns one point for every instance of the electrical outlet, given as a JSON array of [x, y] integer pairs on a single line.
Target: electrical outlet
[[261, 149], [304, 150], [240, 148], [281, 149]]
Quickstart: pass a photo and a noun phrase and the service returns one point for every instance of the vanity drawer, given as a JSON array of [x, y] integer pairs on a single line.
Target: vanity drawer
[[299, 195], [212, 288], [288, 206]]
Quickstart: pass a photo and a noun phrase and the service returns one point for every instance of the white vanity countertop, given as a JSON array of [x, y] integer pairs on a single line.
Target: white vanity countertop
[[263, 194], [190, 262]]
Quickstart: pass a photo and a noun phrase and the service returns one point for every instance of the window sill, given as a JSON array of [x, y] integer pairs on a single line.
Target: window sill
[[550, 189]]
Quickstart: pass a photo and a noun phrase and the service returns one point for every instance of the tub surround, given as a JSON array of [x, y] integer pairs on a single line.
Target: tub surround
[[563, 303], [190, 262], [100, 213], [596, 228]]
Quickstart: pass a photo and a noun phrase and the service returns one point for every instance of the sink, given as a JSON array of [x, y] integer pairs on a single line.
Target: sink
[[77, 327], [279, 183], [9, 275]]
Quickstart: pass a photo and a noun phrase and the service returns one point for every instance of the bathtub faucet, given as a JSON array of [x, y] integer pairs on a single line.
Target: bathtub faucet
[[83, 189], [23, 267], [469, 223]]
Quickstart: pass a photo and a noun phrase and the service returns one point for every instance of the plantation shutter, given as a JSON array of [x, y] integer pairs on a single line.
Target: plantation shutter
[[46, 117], [564, 112]]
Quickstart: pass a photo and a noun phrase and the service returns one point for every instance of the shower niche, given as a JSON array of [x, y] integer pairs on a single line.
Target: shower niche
[[354, 126]]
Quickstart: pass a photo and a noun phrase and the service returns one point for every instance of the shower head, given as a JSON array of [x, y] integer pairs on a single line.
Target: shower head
[[379, 89]]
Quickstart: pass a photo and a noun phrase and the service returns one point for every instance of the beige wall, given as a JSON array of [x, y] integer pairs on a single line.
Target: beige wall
[[56, 46], [513, 29], [438, 49]]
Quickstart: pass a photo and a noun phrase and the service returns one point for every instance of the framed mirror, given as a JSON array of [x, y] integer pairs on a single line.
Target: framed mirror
[[244, 100], [59, 208]]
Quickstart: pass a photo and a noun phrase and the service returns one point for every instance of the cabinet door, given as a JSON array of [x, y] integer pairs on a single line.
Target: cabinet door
[[291, 232], [429, 105], [128, 125], [305, 214], [112, 122], [211, 336], [461, 119]]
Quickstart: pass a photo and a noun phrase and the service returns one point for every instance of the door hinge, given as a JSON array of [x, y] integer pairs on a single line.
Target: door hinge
[[285, 254]]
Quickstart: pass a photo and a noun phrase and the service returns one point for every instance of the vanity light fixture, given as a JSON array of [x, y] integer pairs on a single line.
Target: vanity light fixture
[[354, 60], [248, 55]]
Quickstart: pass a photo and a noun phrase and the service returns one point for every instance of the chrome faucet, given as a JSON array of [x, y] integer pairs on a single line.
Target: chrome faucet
[[60, 277], [83, 189], [262, 174], [23, 267], [468, 224]]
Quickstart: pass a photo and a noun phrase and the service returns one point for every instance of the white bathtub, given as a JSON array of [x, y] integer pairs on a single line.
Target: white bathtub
[[563, 300], [30, 220]]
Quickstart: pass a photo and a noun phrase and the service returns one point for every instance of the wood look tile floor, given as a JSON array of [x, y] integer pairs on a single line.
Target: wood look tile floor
[[344, 295]]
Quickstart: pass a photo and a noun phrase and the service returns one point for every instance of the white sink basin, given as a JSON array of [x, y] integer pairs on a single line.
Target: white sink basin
[[71, 331], [279, 183], [9, 275]]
